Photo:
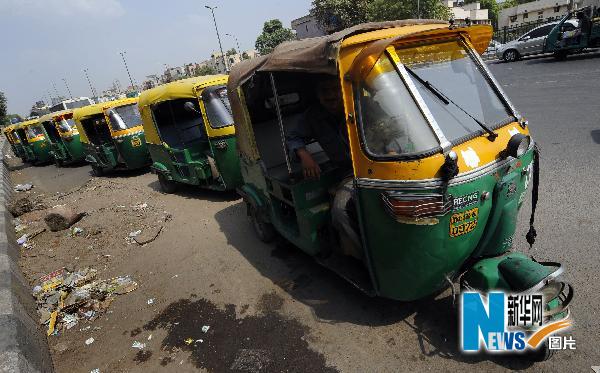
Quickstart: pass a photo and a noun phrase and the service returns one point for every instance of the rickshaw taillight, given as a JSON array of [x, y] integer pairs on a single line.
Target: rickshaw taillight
[[415, 206]]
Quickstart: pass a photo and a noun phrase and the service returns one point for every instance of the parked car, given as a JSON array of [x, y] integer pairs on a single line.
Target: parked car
[[530, 43], [491, 50]]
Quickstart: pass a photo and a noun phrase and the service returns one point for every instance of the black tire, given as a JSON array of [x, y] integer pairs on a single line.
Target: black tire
[[561, 55], [510, 55], [264, 230], [97, 171], [543, 353], [166, 185]]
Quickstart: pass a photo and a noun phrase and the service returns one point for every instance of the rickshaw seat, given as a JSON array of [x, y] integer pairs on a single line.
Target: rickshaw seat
[[268, 140]]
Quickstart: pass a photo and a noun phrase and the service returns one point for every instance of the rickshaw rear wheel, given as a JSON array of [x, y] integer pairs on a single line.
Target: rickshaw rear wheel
[[166, 185], [543, 353], [97, 171], [264, 230]]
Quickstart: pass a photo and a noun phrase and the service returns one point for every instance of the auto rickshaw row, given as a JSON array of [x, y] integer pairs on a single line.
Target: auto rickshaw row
[[441, 159]]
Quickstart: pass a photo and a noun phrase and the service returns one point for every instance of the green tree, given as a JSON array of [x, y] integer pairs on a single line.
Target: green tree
[[204, 70], [273, 34], [3, 118], [245, 56], [231, 52], [339, 14]]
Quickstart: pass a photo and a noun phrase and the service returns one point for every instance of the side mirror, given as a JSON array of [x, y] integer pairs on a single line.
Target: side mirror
[[189, 106]]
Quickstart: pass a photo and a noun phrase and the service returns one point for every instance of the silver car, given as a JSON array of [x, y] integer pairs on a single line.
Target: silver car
[[530, 43]]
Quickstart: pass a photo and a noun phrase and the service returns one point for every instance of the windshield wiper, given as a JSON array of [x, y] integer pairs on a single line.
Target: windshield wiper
[[446, 100]]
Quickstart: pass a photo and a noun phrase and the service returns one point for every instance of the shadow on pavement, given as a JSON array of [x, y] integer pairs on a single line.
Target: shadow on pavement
[[333, 300], [196, 192]]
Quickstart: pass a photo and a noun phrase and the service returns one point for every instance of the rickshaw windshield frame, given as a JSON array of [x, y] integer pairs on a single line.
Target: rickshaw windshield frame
[[444, 145]]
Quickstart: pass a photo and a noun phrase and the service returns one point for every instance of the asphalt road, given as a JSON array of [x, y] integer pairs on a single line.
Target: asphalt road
[[561, 100], [301, 313]]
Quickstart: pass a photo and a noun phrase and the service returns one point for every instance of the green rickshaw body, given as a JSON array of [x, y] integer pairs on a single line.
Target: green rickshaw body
[[586, 35], [37, 146], [65, 144], [112, 135], [194, 145], [435, 192], [16, 144]]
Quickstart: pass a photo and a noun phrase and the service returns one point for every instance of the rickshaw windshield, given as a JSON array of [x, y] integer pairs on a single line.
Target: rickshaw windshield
[[66, 125], [218, 109], [34, 131], [452, 87], [124, 117], [462, 91]]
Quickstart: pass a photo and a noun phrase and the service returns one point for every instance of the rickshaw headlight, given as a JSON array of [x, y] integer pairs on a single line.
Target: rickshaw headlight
[[518, 145]]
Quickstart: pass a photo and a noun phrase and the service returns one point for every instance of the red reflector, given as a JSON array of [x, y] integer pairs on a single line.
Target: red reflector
[[415, 206]]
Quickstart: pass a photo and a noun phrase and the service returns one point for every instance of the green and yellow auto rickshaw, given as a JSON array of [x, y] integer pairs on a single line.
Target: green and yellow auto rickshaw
[[37, 150], [440, 160], [562, 41], [16, 144], [65, 144], [112, 135], [190, 133]]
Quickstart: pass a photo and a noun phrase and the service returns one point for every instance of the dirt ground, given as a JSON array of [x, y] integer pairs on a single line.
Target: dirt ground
[[268, 307]]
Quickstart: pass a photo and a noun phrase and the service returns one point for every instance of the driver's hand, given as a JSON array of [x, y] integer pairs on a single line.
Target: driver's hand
[[310, 168]]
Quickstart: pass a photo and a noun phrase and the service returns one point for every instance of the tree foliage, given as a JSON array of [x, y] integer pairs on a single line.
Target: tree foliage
[[3, 118], [204, 70], [273, 34], [339, 14], [231, 52]]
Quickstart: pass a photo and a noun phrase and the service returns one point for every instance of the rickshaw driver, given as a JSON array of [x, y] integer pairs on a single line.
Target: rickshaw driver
[[325, 122]]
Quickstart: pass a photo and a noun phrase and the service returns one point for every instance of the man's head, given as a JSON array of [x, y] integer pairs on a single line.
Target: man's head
[[329, 95]]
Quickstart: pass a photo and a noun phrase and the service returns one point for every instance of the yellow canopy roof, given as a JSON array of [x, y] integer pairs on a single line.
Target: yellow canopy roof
[[10, 127], [53, 115], [91, 110], [185, 88], [26, 123]]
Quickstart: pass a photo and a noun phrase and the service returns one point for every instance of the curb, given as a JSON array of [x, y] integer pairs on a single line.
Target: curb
[[23, 345]]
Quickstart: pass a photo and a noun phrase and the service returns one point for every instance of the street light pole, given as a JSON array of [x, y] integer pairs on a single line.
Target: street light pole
[[236, 43], [212, 10], [94, 95], [127, 68], [68, 90]]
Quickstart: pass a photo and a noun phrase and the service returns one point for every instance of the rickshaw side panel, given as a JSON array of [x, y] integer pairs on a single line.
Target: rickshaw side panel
[[132, 148], [427, 257], [227, 161]]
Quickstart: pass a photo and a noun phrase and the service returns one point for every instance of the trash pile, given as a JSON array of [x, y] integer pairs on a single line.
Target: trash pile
[[23, 187], [66, 298]]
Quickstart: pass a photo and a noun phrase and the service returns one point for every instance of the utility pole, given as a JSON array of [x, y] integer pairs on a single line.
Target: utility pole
[[236, 43], [68, 90], [55, 91], [94, 94], [127, 68], [212, 10], [418, 9]]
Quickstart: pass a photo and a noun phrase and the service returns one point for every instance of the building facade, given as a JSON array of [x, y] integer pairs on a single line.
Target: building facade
[[307, 27], [473, 12], [522, 14]]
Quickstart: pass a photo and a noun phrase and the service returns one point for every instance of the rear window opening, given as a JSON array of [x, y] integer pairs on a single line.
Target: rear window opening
[[177, 126], [295, 93], [96, 129], [52, 132]]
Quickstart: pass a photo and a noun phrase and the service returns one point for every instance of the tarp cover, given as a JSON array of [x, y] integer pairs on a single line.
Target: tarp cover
[[314, 55]]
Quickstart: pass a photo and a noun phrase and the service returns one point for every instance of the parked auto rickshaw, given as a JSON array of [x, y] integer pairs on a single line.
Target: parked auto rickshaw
[[440, 160], [562, 41], [37, 149], [16, 144], [190, 133], [112, 135], [63, 137]]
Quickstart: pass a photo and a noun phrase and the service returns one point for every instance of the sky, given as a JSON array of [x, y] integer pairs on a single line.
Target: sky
[[46, 41]]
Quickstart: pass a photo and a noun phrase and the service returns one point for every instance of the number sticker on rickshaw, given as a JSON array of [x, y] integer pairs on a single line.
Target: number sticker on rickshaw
[[463, 222], [136, 141]]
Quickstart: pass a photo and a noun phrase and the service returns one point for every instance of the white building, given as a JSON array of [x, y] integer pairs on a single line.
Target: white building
[[547, 10], [307, 27], [216, 60], [461, 11]]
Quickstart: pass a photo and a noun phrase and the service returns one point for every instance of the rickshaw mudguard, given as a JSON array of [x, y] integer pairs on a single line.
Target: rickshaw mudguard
[[514, 271], [159, 168]]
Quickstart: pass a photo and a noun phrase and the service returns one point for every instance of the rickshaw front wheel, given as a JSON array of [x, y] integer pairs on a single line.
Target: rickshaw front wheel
[[97, 171], [166, 185], [264, 230]]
